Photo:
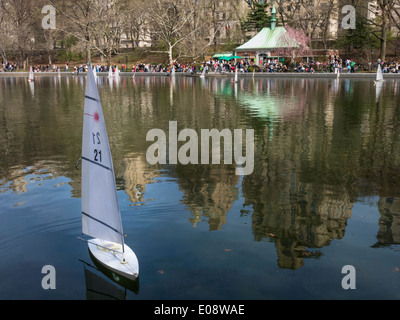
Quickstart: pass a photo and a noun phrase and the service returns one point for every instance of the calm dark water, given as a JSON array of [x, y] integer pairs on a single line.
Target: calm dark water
[[324, 193]]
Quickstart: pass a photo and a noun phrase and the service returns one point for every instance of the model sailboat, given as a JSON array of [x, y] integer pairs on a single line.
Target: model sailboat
[[378, 83], [203, 73], [379, 75], [101, 217], [31, 77]]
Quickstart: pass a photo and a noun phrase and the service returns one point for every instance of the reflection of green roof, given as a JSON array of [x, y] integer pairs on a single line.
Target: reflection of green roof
[[265, 39]]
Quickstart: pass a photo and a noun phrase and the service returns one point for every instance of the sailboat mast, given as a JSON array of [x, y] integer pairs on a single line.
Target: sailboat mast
[[120, 219]]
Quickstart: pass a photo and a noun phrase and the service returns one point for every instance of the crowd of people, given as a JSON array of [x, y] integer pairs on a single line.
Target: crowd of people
[[332, 65], [6, 66]]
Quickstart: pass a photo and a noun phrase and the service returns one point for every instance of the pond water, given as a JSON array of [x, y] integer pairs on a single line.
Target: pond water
[[324, 192]]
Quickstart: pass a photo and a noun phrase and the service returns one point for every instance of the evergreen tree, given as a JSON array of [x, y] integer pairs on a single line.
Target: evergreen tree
[[359, 38], [257, 18]]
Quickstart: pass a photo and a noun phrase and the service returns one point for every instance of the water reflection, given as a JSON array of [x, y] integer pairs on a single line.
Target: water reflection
[[389, 222], [319, 146], [99, 288]]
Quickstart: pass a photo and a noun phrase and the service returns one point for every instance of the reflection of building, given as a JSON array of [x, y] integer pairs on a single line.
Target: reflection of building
[[296, 201], [209, 192], [136, 174], [302, 221], [389, 222]]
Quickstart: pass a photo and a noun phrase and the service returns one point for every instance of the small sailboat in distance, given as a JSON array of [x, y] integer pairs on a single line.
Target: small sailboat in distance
[[94, 73], [31, 77], [101, 218], [379, 74], [203, 73]]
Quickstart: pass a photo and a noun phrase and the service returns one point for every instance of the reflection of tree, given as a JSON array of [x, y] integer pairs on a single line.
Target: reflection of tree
[[316, 150], [311, 166]]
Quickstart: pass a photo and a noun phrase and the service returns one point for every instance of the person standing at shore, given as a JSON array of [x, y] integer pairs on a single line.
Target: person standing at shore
[[336, 66]]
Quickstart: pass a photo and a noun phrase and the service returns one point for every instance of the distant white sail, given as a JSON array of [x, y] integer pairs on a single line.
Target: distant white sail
[[31, 77], [203, 73], [94, 73], [110, 73], [100, 211], [379, 75]]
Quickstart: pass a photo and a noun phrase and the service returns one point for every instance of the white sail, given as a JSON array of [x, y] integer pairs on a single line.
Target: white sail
[[31, 77], [173, 71], [100, 211], [59, 74], [379, 75], [110, 72], [116, 73], [203, 73], [236, 74]]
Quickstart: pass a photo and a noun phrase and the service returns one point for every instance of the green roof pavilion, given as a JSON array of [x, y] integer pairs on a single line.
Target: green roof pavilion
[[263, 43]]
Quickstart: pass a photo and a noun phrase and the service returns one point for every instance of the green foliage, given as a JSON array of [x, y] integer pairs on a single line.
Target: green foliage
[[359, 38], [66, 53], [257, 18], [68, 42], [69, 55]]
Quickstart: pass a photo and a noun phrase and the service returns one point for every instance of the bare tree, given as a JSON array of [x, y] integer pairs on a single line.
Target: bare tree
[[5, 42], [98, 24], [187, 28], [19, 16], [380, 19], [134, 17], [77, 20], [170, 23], [316, 18]]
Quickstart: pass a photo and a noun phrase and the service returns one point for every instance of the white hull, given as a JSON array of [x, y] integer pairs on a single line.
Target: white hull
[[113, 259]]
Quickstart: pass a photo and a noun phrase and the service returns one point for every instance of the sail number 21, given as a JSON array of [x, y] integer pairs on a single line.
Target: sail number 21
[[96, 140]]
